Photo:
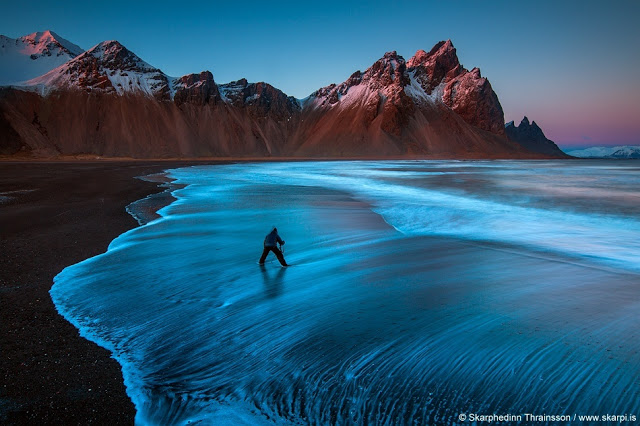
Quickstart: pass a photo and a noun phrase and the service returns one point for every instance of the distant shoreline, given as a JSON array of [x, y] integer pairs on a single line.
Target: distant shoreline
[[219, 160]]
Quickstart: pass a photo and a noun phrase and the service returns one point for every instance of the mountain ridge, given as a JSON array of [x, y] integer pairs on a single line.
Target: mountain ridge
[[531, 136], [429, 106], [107, 66]]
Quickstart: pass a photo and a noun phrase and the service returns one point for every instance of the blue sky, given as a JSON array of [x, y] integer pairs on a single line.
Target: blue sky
[[571, 66]]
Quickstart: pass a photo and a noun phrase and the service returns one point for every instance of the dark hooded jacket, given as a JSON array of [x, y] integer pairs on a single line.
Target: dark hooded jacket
[[272, 239]]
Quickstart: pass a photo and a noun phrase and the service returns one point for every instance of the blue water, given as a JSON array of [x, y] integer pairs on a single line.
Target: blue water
[[419, 290]]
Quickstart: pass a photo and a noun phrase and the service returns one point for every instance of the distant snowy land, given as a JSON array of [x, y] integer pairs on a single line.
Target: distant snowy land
[[625, 151]]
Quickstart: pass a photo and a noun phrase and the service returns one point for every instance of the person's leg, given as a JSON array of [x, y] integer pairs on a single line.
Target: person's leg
[[279, 256], [265, 252]]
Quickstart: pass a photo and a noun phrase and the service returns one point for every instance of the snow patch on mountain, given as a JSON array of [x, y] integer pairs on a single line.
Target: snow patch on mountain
[[173, 83], [415, 91], [32, 55], [232, 91], [358, 94]]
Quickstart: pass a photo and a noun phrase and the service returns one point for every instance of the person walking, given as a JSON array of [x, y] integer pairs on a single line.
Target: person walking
[[271, 242]]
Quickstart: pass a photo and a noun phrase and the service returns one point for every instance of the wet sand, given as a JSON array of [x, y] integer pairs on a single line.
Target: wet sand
[[54, 215]]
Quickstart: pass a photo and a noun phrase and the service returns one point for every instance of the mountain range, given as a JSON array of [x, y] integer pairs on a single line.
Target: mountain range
[[61, 101]]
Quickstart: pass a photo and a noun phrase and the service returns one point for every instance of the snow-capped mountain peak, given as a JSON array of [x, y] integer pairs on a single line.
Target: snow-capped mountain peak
[[32, 55], [114, 55], [108, 66], [48, 43]]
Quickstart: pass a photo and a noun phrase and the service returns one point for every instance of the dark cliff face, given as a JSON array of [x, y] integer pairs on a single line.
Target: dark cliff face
[[10, 141], [530, 136], [76, 122]]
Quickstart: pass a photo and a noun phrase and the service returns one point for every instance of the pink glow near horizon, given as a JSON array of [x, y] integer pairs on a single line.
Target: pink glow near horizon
[[595, 119], [591, 129]]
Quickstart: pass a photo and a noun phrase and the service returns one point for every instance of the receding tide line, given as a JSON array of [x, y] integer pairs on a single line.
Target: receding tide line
[[146, 209]]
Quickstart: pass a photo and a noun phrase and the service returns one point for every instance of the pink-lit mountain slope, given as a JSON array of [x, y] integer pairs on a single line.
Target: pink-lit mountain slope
[[33, 55], [429, 106]]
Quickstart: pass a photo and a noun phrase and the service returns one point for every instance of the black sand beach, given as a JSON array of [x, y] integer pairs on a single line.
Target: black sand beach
[[54, 215]]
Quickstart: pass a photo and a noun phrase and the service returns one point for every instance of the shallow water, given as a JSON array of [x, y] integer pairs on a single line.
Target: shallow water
[[420, 290]]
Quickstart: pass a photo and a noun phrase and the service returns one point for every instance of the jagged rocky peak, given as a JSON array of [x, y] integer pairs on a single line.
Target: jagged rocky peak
[[531, 136], [433, 77], [467, 93], [534, 126], [527, 126], [388, 71], [197, 89], [261, 98], [443, 53], [440, 64]]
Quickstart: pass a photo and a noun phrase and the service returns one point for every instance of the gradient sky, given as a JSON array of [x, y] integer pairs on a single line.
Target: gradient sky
[[572, 66]]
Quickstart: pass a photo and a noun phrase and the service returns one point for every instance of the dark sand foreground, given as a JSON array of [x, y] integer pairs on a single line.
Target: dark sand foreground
[[53, 215]]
